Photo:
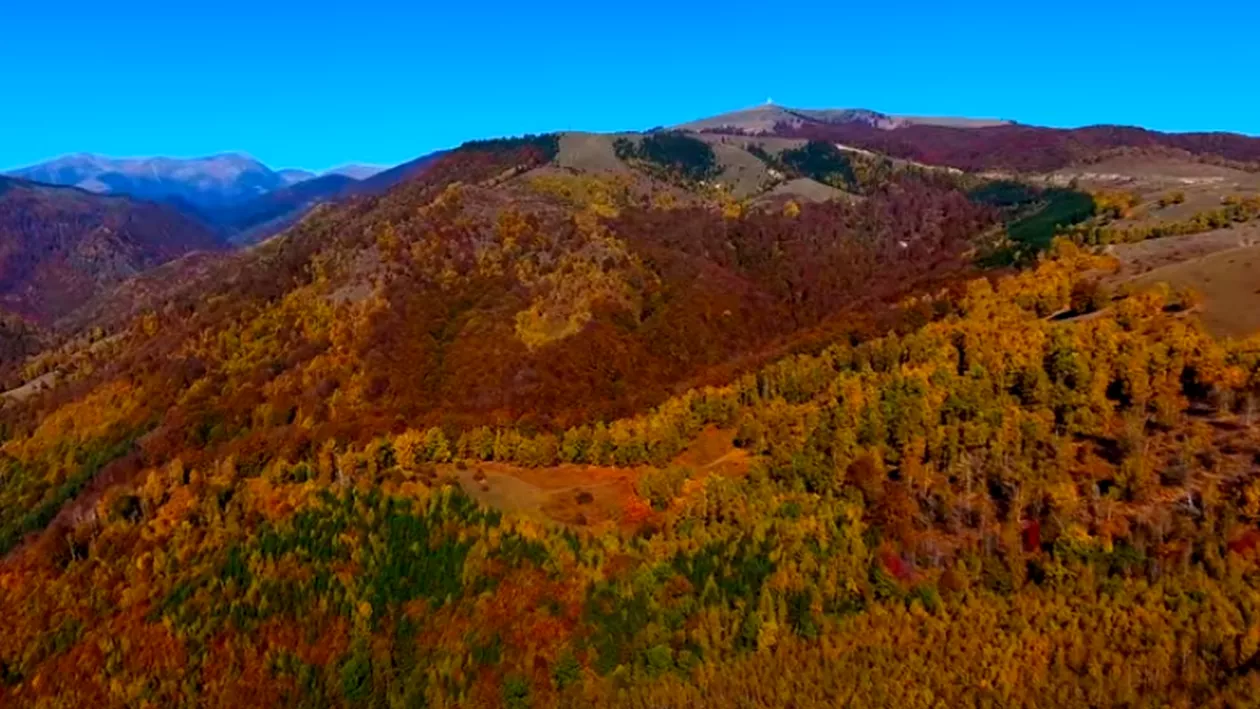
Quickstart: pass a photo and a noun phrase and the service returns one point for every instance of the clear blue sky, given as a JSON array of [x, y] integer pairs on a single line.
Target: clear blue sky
[[315, 84]]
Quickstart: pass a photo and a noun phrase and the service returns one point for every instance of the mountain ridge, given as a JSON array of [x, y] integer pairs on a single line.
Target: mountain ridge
[[767, 116], [974, 145], [356, 171], [207, 182], [232, 192]]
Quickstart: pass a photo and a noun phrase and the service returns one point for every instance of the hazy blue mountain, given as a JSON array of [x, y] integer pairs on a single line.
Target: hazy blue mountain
[[385, 179], [292, 176], [270, 213], [240, 198], [357, 172], [207, 184]]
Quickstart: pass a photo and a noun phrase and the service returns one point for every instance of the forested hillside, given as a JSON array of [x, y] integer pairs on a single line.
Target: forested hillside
[[59, 246], [1031, 509], [1021, 148], [904, 448]]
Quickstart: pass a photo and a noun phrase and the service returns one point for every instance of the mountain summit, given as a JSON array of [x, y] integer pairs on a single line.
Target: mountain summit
[[770, 117], [356, 171]]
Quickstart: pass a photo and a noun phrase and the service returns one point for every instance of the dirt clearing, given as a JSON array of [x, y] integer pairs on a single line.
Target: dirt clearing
[[589, 495]]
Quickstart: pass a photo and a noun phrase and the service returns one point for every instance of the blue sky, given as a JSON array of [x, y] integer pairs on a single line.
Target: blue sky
[[315, 84]]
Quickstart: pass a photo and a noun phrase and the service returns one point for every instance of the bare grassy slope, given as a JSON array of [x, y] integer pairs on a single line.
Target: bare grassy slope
[[1219, 264], [1229, 282]]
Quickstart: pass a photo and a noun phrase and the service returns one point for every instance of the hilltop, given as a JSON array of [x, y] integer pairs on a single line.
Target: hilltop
[[770, 118], [975, 145]]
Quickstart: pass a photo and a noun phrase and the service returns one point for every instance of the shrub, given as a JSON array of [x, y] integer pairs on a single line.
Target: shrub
[[515, 692], [661, 486], [567, 671], [674, 152], [822, 161], [356, 676]]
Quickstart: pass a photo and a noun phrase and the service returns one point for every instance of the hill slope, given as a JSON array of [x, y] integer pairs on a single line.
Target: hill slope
[[357, 172], [383, 180], [271, 213], [934, 494], [552, 295], [59, 246]]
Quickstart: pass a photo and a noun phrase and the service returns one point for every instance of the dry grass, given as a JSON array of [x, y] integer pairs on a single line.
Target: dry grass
[[1229, 282], [1145, 256], [1203, 186], [714, 452], [588, 495], [578, 495], [1220, 265], [805, 190], [589, 152]]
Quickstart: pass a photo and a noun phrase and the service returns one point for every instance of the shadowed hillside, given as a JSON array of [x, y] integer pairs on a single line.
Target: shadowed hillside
[[60, 246], [1021, 148], [972, 145]]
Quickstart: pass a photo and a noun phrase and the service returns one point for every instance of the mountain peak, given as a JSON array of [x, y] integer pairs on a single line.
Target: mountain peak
[[356, 171], [292, 176], [765, 118]]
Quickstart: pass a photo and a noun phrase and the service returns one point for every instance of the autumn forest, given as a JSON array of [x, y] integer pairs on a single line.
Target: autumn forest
[[673, 419]]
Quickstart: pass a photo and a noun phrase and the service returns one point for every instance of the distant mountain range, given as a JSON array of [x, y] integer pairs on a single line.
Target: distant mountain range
[[293, 176], [357, 172], [59, 246], [271, 212], [235, 195], [205, 183]]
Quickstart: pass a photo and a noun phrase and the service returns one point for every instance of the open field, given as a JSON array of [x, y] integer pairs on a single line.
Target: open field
[[805, 189], [1142, 257], [1156, 172], [588, 495], [592, 152], [1202, 185], [1229, 282], [1223, 266], [579, 495], [1220, 265]]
